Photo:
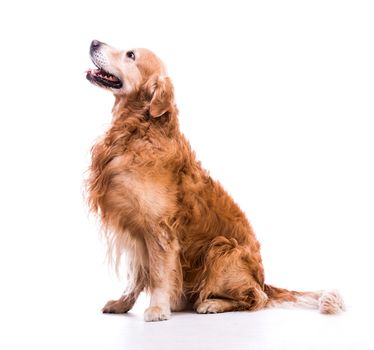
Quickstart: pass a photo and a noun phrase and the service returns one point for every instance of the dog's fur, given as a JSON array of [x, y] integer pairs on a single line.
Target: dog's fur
[[187, 241]]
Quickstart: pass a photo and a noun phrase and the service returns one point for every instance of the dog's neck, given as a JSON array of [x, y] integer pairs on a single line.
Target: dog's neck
[[133, 112]]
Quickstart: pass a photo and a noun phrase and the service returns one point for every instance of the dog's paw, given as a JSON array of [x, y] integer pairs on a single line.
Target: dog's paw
[[120, 306], [209, 307], [331, 302], [156, 313]]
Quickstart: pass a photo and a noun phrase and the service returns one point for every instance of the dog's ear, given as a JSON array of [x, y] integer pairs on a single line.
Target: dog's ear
[[162, 92]]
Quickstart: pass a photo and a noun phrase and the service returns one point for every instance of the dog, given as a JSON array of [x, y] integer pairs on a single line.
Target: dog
[[188, 244]]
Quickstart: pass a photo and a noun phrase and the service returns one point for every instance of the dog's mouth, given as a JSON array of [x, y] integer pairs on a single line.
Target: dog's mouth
[[103, 78]]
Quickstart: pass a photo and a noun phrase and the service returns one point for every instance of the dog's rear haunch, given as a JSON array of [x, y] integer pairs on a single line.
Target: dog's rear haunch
[[188, 243]]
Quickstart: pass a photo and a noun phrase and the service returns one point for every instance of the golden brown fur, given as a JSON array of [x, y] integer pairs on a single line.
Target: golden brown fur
[[188, 242]]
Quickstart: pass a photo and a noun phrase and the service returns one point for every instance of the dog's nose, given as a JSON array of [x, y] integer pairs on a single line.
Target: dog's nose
[[94, 45]]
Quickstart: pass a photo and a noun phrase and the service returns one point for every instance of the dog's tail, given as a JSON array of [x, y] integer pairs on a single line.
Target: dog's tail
[[327, 302]]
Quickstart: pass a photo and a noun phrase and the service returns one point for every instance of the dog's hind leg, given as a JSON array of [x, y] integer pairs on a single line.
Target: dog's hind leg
[[231, 279], [216, 305]]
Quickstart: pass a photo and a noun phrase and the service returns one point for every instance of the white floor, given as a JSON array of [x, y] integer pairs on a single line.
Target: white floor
[[270, 329], [85, 328]]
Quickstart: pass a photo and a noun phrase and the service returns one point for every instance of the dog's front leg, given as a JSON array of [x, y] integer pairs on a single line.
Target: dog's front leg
[[128, 299], [163, 265]]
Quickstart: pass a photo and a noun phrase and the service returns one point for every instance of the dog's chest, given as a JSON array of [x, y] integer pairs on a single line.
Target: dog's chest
[[134, 191]]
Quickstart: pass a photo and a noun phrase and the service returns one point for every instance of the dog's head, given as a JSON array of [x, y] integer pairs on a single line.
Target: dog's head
[[126, 72]]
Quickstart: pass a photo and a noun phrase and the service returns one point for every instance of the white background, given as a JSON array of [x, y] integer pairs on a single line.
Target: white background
[[276, 98]]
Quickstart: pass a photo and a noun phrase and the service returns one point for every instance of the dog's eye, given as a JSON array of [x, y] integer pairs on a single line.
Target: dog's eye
[[130, 54]]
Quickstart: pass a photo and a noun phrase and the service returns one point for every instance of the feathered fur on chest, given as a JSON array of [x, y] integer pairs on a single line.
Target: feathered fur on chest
[[131, 174]]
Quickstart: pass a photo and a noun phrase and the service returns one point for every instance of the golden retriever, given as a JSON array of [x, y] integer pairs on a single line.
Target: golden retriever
[[188, 243]]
